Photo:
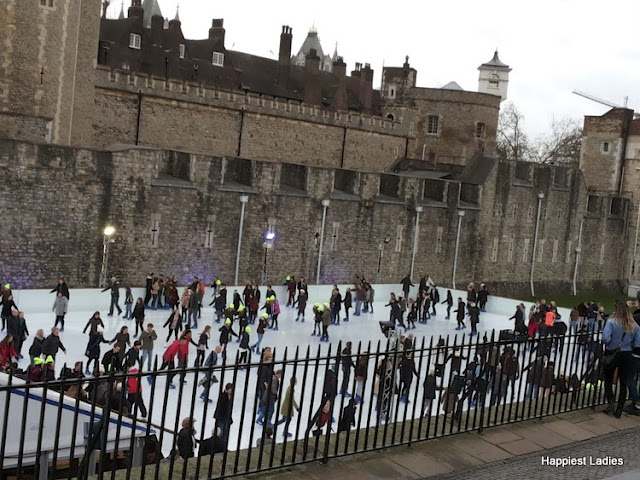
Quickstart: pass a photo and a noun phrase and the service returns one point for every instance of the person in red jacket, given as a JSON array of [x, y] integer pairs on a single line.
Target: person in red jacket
[[168, 359], [7, 353], [183, 352], [134, 387]]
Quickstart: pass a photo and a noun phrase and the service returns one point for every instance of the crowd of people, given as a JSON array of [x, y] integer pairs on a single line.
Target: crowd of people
[[485, 375]]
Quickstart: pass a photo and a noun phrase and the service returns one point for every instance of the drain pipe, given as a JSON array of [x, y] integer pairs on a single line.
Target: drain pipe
[[325, 205], [578, 252], [455, 256], [415, 238], [243, 201], [635, 246], [535, 242]]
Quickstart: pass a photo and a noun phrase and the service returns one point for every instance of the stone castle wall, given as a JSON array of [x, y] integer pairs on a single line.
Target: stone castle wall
[[60, 199]]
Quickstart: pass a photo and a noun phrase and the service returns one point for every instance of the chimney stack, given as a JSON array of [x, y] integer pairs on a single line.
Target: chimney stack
[[216, 33], [136, 10], [157, 25], [341, 99], [312, 91], [340, 68], [366, 87], [284, 56]]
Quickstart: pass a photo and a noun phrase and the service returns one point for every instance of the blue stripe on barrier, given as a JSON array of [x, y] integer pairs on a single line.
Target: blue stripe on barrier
[[80, 410]]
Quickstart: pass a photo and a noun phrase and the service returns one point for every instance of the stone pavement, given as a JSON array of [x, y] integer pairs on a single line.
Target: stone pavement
[[510, 451]]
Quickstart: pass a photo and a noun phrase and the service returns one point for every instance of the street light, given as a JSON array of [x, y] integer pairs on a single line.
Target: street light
[[107, 233], [535, 242], [415, 238], [381, 245], [455, 256], [243, 201], [268, 236], [325, 205]]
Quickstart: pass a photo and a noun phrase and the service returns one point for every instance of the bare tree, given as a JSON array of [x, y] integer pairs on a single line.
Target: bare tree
[[512, 142], [561, 145]]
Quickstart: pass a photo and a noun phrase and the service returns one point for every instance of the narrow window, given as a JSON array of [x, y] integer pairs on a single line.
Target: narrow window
[[399, 233], [218, 59], [334, 236], [494, 251], [480, 130], [135, 41], [432, 126], [512, 241], [392, 91], [182, 49], [606, 146], [601, 254], [525, 253], [439, 239], [554, 252], [208, 234], [514, 211], [155, 230], [541, 250], [567, 258], [498, 210], [530, 211]]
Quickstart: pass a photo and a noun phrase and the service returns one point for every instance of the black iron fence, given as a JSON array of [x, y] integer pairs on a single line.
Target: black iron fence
[[340, 403]]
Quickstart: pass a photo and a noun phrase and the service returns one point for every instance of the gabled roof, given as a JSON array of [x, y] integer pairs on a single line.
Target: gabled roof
[[311, 42], [495, 62]]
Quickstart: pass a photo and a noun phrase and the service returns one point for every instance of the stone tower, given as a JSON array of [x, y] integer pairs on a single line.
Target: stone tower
[[494, 77], [47, 65]]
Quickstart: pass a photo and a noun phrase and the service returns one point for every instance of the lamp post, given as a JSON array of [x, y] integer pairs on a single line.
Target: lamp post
[[535, 242], [107, 233], [325, 205], [269, 236], [415, 238], [455, 256], [381, 245], [243, 202]]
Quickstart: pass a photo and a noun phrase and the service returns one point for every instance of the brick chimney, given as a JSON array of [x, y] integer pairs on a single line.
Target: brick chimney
[[157, 25], [366, 87], [216, 33], [312, 91], [340, 99], [136, 10], [284, 56]]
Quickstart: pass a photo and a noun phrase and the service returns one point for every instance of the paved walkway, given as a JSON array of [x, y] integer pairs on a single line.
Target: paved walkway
[[503, 452]]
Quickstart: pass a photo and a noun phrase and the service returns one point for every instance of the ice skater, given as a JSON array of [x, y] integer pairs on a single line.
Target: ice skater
[[225, 333], [460, 315], [262, 324], [301, 301], [449, 302]]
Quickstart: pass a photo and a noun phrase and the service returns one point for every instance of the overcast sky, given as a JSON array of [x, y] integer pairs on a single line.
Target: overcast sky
[[553, 46]]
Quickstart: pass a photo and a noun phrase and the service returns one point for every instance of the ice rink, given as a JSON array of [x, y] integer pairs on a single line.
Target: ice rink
[[291, 335]]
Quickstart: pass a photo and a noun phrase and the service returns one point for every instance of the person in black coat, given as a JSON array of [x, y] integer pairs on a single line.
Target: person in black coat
[[62, 288], [520, 327], [226, 332], [407, 370], [186, 442], [7, 305], [138, 316], [483, 296], [435, 299], [93, 351], [472, 295], [474, 318], [149, 284], [348, 418], [224, 410], [111, 360], [52, 344], [449, 302], [347, 365], [460, 315], [211, 445], [114, 287], [406, 285], [347, 302]]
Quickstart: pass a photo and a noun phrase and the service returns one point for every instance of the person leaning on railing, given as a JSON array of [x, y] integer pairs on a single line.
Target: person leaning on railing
[[620, 335]]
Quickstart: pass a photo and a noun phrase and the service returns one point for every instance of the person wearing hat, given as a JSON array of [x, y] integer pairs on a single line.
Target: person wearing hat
[[225, 332], [317, 319], [262, 324], [7, 306], [242, 318], [291, 289], [270, 291], [275, 311], [326, 321], [49, 372], [302, 304], [35, 372], [243, 348], [268, 307]]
